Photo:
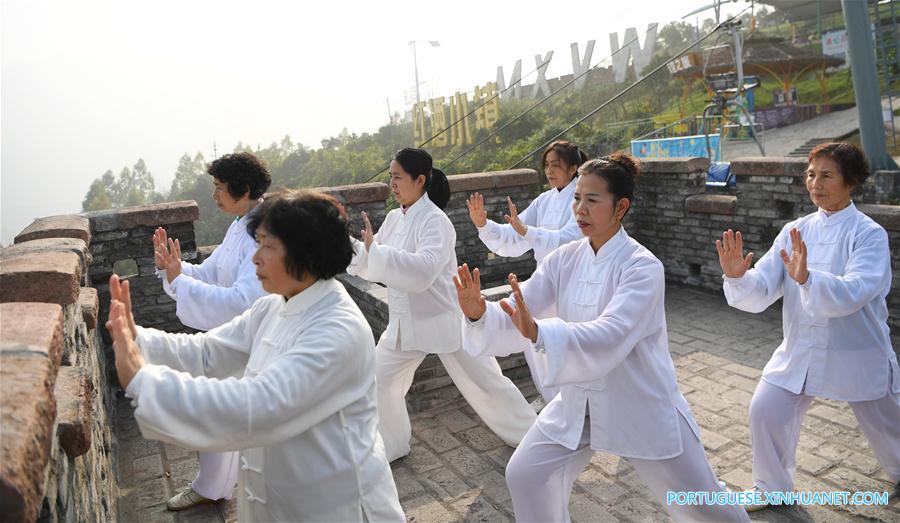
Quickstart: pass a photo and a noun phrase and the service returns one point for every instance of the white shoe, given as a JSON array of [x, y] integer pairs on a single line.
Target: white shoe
[[186, 499], [753, 507]]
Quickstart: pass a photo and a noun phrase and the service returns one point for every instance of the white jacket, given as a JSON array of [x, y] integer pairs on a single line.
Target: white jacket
[[220, 288], [414, 255], [602, 327], [836, 339], [550, 220], [302, 413]]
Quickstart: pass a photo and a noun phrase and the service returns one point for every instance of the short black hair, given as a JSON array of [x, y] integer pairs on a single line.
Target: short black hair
[[849, 158], [241, 172], [310, 226]]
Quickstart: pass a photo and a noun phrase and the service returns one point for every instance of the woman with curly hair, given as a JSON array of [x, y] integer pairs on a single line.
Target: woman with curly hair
[[289, 384], [212, 293]]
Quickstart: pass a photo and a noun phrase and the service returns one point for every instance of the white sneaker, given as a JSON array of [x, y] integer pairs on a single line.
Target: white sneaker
[[753, 507], [186, 499]]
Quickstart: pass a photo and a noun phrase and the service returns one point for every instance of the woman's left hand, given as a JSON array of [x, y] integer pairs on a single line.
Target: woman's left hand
[[796, 262], [513, 218], [520, 315]]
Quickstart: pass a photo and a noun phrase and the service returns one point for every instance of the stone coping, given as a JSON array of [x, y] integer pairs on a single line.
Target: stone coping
[[49, 277], [31, 345], [673, 165], [75, 245], [711, 204], [143, 216], [60, 226], [888, 216], [493, 180], [89, 304], [769, 166]]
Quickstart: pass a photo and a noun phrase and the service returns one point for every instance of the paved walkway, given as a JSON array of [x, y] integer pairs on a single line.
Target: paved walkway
[[455, 469]]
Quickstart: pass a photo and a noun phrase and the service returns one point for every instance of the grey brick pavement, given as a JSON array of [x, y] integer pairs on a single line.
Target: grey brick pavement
[[455, 469]]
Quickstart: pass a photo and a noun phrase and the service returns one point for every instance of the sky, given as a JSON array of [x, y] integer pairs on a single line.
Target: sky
[[90, 86]]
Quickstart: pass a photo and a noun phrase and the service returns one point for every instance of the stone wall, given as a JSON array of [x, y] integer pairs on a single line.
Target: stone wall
[[678, 218], [57, 455]]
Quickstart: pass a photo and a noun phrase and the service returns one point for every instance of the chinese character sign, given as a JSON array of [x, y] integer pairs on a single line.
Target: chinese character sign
[[456, 130]]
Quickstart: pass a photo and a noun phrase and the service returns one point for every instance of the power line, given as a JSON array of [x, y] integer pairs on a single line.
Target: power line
[[623, 91]]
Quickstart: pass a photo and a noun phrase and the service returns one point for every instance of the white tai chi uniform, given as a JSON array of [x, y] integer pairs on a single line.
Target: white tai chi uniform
[[414, 256], [206, 296], [302, 414], [601, 323], [836, 340], [551, 223]]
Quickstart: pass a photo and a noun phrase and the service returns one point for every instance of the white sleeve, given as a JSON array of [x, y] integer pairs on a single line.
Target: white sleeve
[[495, 334], [502, 239], [579, 352], [414, 271], [205, 306], [319, 374], [867, 274], [221, 352], [359, 264], [548, 240], [762, 285]]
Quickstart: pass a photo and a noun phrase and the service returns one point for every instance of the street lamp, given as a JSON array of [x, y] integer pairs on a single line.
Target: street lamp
[[433, 43]]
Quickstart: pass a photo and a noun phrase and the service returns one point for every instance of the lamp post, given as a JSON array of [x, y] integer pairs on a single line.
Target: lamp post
[[433, 43]]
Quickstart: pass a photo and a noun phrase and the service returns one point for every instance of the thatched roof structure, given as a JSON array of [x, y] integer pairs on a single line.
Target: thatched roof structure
[[762, 56]]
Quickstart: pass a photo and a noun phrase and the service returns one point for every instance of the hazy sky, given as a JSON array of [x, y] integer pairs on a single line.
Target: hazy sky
[[91, 86]]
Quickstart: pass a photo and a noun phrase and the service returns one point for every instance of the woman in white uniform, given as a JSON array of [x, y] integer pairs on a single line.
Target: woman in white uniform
[[290, 383], [595, 308], [214, 292], [413, 254], [547, 222], [833, 269]]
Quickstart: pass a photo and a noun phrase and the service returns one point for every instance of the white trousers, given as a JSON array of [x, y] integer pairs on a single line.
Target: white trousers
[[776, 415], [217, 475], [541, 473], [491, 394]]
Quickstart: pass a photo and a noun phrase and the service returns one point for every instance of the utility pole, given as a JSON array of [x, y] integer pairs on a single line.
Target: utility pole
[[416, 67], [865, 85]]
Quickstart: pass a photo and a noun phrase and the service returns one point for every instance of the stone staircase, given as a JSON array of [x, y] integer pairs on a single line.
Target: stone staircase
[[803, 150]]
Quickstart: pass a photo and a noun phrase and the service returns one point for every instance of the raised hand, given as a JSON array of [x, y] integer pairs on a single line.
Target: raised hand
[[167, 254], [731, 254], [513, 218], [477, 214], [160, 242], [468, 291], [128, 356], [796, 262], [520, 315], [120, 291], [368, 235]]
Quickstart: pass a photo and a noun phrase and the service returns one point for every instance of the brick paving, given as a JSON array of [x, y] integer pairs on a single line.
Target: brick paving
[[455, 469]]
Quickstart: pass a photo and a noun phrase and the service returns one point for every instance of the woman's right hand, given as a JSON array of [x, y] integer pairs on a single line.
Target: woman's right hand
[[731, 254], [468, 291], [477, 214], [120, 291]]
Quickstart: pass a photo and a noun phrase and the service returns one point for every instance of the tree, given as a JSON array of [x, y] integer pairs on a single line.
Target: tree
[[186, 174], [96, 198]]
